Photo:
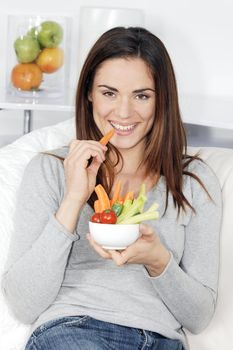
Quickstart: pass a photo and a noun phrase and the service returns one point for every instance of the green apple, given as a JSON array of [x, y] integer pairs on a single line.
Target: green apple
[[33, 32], [50, 34], [26, 48]]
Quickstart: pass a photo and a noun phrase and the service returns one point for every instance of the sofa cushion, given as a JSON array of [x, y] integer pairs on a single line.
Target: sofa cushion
[[14, 158]]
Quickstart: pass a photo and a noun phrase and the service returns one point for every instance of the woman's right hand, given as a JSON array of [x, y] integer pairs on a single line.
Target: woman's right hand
[[81, 178]]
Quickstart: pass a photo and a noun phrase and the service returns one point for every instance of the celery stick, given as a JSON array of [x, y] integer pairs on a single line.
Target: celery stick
[[142, 194], [137, 219], [142, 190], [127, 204], [134, 209]]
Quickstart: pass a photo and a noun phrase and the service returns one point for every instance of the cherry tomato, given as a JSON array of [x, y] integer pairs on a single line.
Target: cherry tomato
[[96, 218], [108, 216]]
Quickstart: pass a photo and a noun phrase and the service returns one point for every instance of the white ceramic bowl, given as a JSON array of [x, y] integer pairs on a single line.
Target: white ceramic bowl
[[114, 236]]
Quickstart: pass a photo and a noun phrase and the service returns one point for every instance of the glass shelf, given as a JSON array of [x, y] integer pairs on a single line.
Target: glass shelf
[[28, 105], [62, 104]]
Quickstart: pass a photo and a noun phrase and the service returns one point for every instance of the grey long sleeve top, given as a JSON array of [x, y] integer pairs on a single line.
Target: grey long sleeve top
[[52, 273]]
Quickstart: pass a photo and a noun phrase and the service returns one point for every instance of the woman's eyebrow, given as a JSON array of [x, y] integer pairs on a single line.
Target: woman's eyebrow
[[142, 90], [135, 91], [108, 87]]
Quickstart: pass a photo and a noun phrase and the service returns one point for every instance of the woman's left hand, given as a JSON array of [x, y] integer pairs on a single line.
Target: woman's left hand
[[147, 250]]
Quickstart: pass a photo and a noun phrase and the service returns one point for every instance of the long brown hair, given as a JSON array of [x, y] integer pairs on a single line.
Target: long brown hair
[[166, 145]]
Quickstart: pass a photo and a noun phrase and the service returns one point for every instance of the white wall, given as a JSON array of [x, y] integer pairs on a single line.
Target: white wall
[[197, 34]]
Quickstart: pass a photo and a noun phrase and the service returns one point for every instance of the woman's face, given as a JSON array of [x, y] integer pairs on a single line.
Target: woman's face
[[123, 98]]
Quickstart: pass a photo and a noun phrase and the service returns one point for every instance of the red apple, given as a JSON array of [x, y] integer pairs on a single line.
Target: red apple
[[50, 59]]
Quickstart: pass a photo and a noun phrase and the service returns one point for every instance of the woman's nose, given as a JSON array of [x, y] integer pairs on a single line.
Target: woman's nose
[[123, 108]]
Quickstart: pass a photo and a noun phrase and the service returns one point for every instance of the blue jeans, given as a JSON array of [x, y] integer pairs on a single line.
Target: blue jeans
[[86, 333]]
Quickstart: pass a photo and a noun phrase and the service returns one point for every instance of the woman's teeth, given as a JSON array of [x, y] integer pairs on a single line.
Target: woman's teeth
[[123, 128]]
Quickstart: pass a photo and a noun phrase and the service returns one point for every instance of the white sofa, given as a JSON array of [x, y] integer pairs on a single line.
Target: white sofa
[[13, 159]]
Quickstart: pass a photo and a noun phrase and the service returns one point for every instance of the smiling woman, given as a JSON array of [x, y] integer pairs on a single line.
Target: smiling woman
[[71, 289], [123, 97]]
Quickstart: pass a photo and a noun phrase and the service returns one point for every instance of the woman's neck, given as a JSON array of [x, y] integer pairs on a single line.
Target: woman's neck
[[132, 162], [133, 174]]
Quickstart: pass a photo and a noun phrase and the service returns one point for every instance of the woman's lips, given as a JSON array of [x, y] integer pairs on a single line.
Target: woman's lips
[[121, 129]]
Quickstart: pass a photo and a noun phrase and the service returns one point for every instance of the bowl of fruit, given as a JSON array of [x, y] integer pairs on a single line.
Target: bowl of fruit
[[37, 55], [115, 223]]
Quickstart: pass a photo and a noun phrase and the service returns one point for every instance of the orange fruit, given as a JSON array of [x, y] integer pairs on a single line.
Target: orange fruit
[[50, 59], [26, 76]]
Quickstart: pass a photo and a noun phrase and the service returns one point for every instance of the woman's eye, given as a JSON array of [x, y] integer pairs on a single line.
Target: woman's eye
[[109, 94], [142, 97]]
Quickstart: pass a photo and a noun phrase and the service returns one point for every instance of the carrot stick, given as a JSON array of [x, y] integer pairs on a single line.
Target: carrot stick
[[116, 193], [129, 195], [97, 206], [120, 200], [104, 202], [105, 139]]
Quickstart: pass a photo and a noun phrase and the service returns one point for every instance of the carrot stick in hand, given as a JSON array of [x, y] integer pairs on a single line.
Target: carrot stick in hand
[[105, 139]]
